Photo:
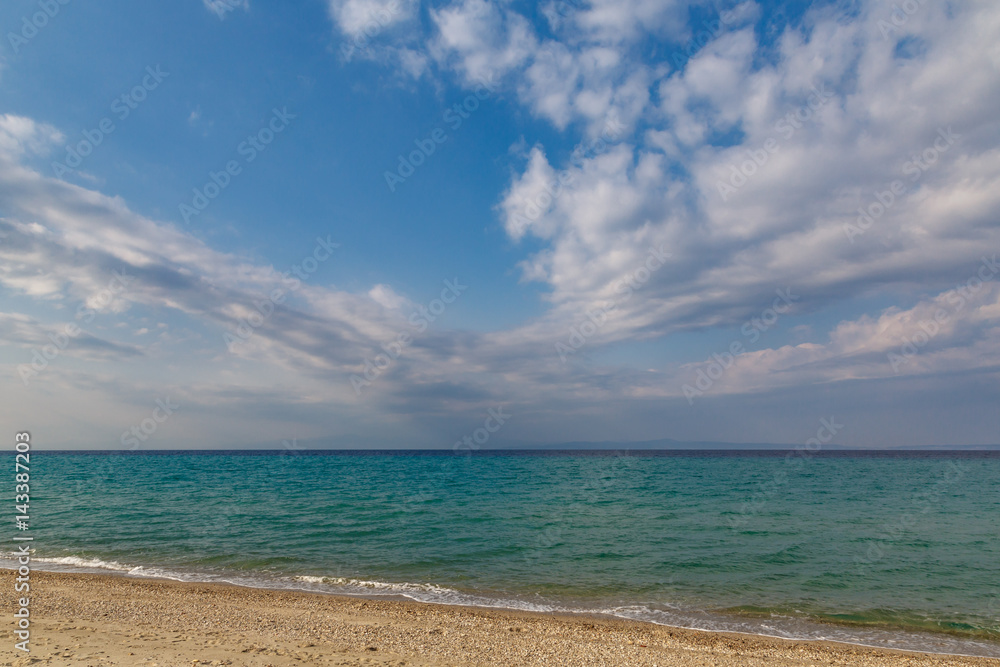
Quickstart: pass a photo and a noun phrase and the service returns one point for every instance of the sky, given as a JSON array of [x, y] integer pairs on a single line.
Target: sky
[[393, 224]]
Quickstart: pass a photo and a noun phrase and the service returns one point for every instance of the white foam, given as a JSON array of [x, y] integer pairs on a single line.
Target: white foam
[[93, 563], [420, 592], [387, 586], [82, 564]]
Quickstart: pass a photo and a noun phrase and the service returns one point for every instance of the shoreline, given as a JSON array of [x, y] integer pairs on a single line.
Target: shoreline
[[133, 620], [887, 637]]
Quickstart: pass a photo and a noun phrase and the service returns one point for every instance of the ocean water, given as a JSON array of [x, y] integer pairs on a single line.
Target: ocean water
[[898, 550]]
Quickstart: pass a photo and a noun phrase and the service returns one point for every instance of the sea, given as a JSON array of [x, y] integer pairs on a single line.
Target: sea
[[888, 549]]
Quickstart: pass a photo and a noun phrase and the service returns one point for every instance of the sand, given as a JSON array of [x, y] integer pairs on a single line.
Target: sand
[[96, 620]]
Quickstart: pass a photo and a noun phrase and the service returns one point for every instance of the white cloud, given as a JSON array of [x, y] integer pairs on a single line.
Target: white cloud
[[785, 225], [721, 109], [64, 242], [481, 40], [222, 7], [384, 31], [370, 17], [953, 332], [20, 135], [623, 21], [386, 297]]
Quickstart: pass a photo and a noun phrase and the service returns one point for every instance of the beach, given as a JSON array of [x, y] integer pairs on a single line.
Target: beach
[[85, 619]]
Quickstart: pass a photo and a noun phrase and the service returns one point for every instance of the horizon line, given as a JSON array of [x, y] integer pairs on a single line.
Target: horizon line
[[781, 448]]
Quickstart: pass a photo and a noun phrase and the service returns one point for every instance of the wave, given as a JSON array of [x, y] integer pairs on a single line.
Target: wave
[[76, 561], [85, 565], [419, 592]]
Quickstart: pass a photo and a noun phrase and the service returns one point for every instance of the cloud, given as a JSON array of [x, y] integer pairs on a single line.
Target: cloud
[[751, 165], [955, 332], [26, 332], [481, 39], [384, 31], [386, 297], [835, 109], [784, 221], [222, 7], [63, 243], [360, 17], [620, 22], [20, 136]]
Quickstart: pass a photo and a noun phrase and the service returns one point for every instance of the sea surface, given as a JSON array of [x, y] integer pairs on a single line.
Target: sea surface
[[897, 550]]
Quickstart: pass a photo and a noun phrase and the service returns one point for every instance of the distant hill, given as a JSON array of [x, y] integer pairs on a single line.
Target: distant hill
[[670, 444]]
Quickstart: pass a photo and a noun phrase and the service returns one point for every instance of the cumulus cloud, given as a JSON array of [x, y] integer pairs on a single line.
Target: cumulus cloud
[[356, 17], [825, 130], [481, 39], [382, 31], [750, 168]]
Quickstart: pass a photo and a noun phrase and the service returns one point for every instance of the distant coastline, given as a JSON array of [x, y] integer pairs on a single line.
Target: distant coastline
[[650, 446]]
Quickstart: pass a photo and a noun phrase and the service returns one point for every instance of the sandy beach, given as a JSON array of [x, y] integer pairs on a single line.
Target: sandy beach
[[82, 619]]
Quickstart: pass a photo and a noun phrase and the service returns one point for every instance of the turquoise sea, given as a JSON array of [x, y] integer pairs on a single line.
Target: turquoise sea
[[899, 550]]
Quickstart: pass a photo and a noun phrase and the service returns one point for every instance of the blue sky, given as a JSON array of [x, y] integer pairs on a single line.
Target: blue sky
[[620, 207]]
